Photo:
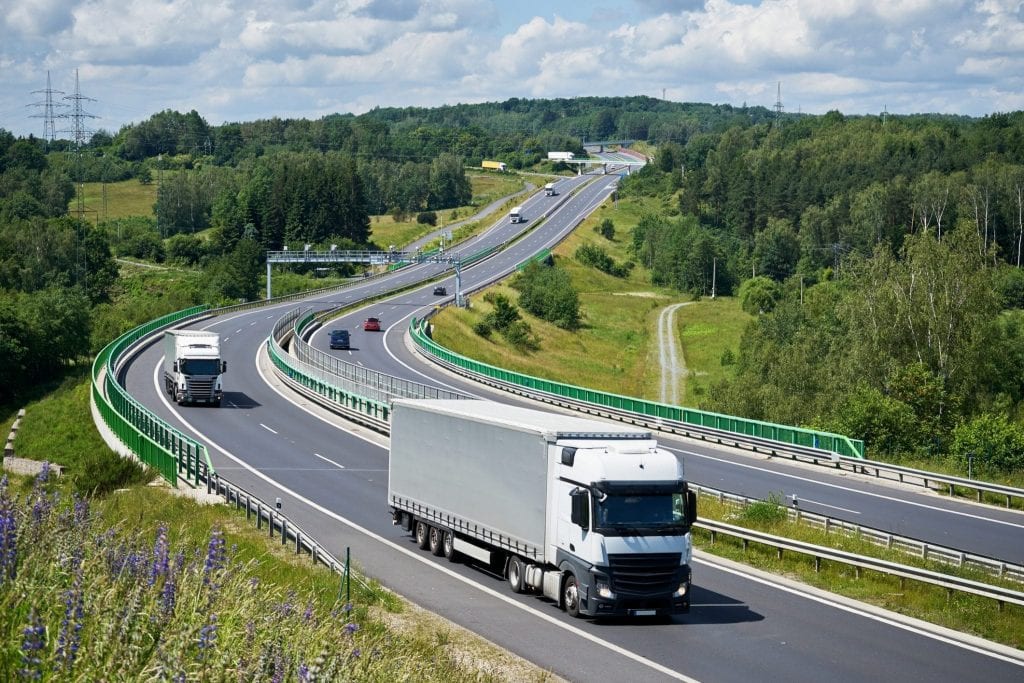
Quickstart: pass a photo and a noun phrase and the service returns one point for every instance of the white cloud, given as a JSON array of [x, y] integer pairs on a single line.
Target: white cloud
[[241, 60]]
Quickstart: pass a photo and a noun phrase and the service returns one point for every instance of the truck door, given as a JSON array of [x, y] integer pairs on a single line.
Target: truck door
[[574, 512]]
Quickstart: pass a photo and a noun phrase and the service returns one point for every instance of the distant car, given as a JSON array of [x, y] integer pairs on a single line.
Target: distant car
[[440, 290], [339, 339], [371, 325]]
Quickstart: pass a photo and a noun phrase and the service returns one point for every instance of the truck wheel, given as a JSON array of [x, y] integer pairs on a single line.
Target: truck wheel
[[571, 596], [516, 574], [422, 535], [448, 545], [435, 540]]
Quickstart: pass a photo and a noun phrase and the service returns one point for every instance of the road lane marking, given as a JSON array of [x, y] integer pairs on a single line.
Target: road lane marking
[[801, 501], [267, 428], [846, 488], [329, 460]]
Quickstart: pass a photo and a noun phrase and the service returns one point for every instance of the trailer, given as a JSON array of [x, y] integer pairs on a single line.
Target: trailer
[[494, 165], [561, 156], [590, 514]]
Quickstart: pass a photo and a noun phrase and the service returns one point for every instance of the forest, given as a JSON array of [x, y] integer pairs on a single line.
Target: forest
[[880, 254]]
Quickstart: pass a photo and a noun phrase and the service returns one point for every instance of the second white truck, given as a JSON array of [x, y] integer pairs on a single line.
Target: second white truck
[[592, 515], [549, 190], [193, 368]]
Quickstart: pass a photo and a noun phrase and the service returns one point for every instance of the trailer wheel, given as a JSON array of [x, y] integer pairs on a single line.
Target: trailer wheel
[[435, 540], [422, 535], [516, 574], [448, 546], [571, 596]]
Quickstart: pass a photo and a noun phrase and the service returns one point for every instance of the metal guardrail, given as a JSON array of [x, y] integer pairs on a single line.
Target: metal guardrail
[[819, 553], [884, 539]]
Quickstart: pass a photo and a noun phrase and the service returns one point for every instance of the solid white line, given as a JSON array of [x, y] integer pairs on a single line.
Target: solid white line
[[267, 428], [834, 507], [847, 488], [329, 460], [857, 608]]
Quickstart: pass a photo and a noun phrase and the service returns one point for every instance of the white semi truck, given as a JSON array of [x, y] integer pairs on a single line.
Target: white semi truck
[[549, 190], [193, 369], [515, 215], [560, 156], [592, 515]]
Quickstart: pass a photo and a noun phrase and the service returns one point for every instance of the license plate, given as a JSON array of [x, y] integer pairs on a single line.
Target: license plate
[[644, 612]]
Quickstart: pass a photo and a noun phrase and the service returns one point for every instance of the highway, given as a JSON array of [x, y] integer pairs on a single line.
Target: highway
[[332, 476]]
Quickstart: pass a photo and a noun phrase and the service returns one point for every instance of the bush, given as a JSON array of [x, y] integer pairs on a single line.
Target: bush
[[759, 295], [520, 335], [764, 513], [606, 229], [590, 255], [187, 249], [426, 218], [482, 328], [547, 293], [994, 441]]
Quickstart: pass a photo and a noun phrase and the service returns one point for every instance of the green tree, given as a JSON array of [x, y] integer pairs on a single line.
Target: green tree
[[547, 292], [759, 295]]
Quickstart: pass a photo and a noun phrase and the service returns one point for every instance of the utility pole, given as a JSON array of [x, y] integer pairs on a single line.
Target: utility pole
[[48, 105], [778, 104], [714, 274]]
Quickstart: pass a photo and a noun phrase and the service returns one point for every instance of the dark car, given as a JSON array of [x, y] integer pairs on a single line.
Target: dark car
[[339, 339], [372, 325], [440, 290]]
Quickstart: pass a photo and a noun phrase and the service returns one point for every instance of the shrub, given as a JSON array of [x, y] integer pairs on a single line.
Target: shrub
[[759, 295], [764, 513], [548, 293], [426, 218], [482, 328], [606, 229]]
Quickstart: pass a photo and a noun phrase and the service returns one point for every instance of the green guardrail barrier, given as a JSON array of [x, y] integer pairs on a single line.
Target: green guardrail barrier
[[540, 257], [156, 443], [799, 436]]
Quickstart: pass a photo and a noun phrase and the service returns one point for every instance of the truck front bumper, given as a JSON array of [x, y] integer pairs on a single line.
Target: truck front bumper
[[600, 598]]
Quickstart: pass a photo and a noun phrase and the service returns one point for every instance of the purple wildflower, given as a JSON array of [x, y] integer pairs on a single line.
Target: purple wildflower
[[161, 556], [207, 637], [69, 636], [356, 653], [8, 540], [304, 673], [351, 628], [215, 555], [34, 637]]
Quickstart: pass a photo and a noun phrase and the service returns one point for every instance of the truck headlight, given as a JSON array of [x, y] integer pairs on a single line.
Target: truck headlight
[[604, 591], [681, 591]]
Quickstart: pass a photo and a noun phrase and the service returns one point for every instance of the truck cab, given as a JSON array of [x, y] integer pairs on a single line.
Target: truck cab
[[622, 531]]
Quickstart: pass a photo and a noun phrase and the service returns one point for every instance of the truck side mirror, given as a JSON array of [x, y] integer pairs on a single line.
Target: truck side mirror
[[580, 515], [176, 366], [691, 507], [223, 366]]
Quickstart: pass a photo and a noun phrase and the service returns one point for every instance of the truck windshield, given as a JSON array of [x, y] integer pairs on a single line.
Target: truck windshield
[[659, 512], [199, 366]]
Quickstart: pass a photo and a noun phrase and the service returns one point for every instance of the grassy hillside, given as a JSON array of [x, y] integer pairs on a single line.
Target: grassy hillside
[[615, 349]]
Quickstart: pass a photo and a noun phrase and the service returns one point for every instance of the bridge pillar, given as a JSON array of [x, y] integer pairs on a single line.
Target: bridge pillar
[[268, 279]]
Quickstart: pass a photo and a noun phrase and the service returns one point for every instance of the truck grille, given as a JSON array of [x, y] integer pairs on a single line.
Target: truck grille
[[201, 389], [646, 574]]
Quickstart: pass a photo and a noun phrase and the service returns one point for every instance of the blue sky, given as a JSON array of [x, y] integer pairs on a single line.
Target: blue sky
[[236, 60]]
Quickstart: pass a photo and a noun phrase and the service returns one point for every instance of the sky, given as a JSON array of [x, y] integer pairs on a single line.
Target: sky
[[242, 60]]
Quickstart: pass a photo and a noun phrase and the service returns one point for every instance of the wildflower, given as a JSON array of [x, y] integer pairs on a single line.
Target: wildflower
[[351, 628], [207, 636], [161, 556], [70, 637], [8, 541], [33, 641], [215, 557]]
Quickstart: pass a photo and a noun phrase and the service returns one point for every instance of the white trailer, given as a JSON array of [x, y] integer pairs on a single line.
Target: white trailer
[[516, 215], [591, 514], [193, 369], [560, 156], [549, 190]]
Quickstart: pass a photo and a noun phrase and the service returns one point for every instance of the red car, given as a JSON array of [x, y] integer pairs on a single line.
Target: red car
[[372, 325]]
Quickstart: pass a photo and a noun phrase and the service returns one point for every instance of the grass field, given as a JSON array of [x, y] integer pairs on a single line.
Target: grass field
[[107, 201]]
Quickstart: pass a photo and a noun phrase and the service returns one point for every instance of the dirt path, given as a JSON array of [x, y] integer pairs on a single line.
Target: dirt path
[[670, 355]]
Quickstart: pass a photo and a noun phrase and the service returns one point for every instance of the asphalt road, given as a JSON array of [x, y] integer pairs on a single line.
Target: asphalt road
[[333, 482]]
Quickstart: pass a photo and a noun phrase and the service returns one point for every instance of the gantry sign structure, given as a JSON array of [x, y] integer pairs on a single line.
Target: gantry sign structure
[[390, 259]]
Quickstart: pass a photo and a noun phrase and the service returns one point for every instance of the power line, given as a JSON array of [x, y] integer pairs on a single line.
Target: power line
[[48, 105]]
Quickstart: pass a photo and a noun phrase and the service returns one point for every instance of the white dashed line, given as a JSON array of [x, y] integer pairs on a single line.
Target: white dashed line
[[267, 428]]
